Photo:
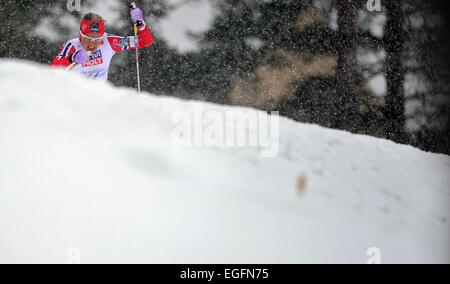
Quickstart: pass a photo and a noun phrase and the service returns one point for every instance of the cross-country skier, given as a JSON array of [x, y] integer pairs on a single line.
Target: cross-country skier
[[90, 54]]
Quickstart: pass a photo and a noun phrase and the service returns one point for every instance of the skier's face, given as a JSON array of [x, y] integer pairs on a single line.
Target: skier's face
[[91, 41]]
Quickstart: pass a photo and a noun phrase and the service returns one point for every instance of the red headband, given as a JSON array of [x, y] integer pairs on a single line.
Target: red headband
[[92, 26]]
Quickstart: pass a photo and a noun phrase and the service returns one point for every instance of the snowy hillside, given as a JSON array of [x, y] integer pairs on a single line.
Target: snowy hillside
[[89, 173]]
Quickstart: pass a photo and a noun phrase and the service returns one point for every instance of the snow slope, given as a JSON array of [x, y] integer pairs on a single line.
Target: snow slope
[[88, 173]]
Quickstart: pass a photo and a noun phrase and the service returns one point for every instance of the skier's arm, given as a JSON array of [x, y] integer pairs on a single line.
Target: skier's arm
[[145, 39], [145, 36], [64, 57]]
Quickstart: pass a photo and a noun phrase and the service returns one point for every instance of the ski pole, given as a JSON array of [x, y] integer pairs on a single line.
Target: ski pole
[[71, 66], [136, 43]]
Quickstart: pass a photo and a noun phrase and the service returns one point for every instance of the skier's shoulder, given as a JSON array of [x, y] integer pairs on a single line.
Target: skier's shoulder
[[116, 42], [75, 42], [69, 47]]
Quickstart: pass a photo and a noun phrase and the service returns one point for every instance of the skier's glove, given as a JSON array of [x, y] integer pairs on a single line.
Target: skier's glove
[[137, 15], [80, 57]]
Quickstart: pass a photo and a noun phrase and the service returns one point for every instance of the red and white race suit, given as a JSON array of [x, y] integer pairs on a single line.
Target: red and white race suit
[[97, 66]]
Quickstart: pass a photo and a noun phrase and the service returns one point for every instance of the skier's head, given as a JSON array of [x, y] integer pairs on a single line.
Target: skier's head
[[92, 30]]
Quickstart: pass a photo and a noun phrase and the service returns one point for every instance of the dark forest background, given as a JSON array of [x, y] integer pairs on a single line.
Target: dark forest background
[[310, 60]]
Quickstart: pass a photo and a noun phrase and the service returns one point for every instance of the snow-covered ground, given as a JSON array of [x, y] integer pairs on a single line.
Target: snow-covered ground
[[89, 173]]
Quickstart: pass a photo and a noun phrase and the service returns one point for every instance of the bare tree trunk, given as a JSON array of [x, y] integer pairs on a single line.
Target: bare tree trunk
[[395, 101], [347, 14], [346, 69]]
